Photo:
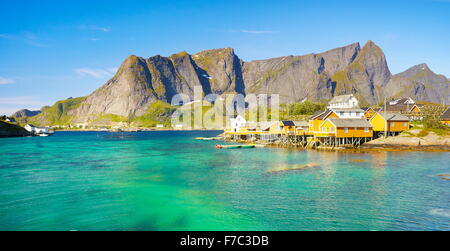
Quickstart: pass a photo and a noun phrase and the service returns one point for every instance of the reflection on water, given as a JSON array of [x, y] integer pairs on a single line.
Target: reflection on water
[[169, 181]]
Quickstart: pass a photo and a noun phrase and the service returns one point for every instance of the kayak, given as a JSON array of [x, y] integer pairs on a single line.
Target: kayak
[[234, 146]]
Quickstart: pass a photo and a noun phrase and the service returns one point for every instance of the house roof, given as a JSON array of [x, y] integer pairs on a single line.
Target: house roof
[[367, 108], [397, 108], [446, 115], [401, 101], [288, 123], [393, 116], [400, 105], [415, 105], [341, 99], [301, 123], [266, 125], [347, 110], [320, 114], [350, 122]]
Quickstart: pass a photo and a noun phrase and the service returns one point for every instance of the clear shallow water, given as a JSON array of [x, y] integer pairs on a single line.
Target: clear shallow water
[[169, 181]]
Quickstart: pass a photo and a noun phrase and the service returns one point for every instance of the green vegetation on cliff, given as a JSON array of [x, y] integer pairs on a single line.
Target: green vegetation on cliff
[[159, 112], [58, 114]]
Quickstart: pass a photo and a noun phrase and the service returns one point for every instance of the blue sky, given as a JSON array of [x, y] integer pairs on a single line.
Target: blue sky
[[52, 50]]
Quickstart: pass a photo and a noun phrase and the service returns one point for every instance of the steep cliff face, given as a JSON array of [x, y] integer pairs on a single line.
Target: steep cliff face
[[362, 71], [365, 76], [420, 83], [220, 71], [296, 78], [140, 82]]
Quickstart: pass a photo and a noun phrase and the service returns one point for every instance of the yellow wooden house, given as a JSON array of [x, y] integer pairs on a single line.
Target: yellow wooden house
[[317, 119], [301, 127], [345, 128], [445, 117], [288, 126], [395, 122], [415, 109], [368, 112]]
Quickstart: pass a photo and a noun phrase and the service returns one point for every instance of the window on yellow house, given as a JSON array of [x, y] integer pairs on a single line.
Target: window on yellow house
[[366, 129], [324, 129], [392, 124], [345, 130], [332, 129], [404, 124]]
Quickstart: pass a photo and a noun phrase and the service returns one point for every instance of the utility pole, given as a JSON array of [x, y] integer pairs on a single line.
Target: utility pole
[[385, 118]]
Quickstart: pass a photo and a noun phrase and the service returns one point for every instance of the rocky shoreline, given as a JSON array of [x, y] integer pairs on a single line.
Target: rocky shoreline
[[8, 130], [431, 142], [414, 140]]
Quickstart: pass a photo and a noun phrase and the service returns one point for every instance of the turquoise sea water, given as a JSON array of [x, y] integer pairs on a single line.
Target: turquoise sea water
[[169, 181]]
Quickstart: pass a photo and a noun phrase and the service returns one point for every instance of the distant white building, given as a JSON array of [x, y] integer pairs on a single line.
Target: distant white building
[[37, 130], [344, 101], [30, 128], [178, 126], [10, 120], [159, 126], [402, 101], [237, 123], [42, 130]]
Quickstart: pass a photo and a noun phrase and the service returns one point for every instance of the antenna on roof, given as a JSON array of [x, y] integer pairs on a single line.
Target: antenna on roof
[[385, 118]]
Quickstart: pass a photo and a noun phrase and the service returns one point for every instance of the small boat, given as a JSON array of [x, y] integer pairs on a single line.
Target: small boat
[[234, 146], [213, 138], [43, 135]]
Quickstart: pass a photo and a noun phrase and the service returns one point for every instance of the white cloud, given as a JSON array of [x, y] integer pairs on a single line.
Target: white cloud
[[94, 28], [113, 70], [21, 100], [5, 81], [26, 37], [96, 73]]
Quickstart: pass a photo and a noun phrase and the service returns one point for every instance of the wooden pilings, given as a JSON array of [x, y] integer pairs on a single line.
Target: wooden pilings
[[306, 141]]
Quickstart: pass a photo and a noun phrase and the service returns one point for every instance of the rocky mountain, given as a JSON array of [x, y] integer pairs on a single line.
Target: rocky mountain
[[362, 71], [25, 113], [421, 83]]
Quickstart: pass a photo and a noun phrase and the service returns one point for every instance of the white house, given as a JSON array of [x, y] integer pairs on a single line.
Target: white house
[[344, 101], [237, 123], [402, 101], [348, 113], [41, 130], [37, 130], [30, 128], [10, 120]]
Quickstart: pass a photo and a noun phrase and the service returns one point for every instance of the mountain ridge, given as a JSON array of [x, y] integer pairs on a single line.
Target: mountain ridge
[[362, 71]]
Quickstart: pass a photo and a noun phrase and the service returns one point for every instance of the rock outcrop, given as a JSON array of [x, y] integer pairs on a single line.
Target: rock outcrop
[[11, 130], [25, 113]]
